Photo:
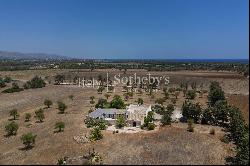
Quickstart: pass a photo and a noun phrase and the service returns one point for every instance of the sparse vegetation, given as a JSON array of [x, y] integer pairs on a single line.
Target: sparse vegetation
[[48, 103], [90, 122], [28, 140], [36, 82], [60, 126], [95, 134], [61, 107], [13, 89], [14, 114], [27, 117], [39, 115], [11, 128]]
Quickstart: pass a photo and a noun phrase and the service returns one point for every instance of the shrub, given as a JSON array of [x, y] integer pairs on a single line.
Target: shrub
[[14, 88], [48, 103], [102, 124], [36, 82], [11, 128], [151, 126], [140, 101], [2, 83], [7, 79], [14, 114], [95, 134], [101, 103], [28, 140], [61, 107], [190, 125], [90, 122], [60, 126], [27, 117], [39, 115]]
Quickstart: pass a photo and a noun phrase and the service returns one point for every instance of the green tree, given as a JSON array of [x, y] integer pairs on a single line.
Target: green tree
[[101, 103], [95, 134], [14, 114], [28, 140], [61, 107], [11, 128], [215, 93], [166, 118], [48, 103], [39, 115], [208, 116], [60, 126], [117, 102], [120, 122], [159, 109], [36, 82], [191, 111]]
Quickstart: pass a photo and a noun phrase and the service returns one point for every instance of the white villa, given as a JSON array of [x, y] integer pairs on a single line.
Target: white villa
[[134, 114]]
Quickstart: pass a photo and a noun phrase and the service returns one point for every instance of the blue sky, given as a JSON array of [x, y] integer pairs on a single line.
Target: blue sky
[[164, 29]]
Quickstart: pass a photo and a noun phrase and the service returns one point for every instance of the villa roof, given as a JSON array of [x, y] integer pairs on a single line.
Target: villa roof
[[138, 108], [100, 111]]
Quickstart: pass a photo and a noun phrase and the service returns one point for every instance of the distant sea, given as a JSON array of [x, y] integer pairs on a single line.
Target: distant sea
[[245, 61]]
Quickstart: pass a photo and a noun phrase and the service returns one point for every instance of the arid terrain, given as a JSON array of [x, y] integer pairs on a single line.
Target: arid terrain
[[169, 145]]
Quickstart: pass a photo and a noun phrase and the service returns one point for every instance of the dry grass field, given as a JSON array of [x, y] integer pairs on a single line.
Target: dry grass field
[[169, 145]]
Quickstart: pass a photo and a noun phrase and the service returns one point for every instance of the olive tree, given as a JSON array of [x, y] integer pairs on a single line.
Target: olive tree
[[11, 128]]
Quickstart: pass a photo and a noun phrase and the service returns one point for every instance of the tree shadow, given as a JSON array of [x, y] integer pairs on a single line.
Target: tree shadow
[[38, 121], [58, 131], [12, 119], [9, 135], [26, 148]]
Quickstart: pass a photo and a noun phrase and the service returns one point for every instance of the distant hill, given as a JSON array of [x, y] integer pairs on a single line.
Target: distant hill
[[30, 56]]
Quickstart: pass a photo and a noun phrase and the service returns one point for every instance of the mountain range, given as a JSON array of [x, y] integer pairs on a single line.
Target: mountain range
[[30, 56]]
